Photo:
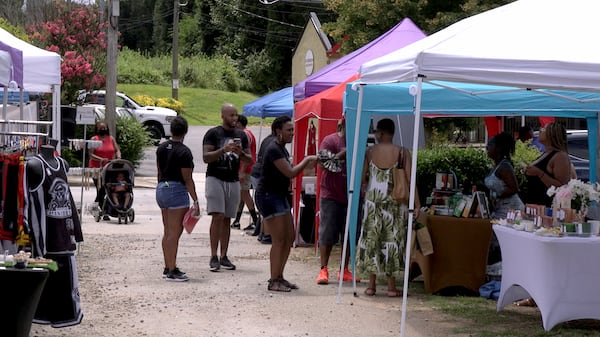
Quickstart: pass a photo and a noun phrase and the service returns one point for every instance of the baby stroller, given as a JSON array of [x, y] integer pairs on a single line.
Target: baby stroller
[[117, 179]]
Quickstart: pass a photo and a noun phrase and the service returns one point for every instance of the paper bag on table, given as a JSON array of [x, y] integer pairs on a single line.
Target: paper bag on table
[[424, 241]]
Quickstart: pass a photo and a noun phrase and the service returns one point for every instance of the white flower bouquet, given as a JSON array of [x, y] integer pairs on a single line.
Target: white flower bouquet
[[576, 194]]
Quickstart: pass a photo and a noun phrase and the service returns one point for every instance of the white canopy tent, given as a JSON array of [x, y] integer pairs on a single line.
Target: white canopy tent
[[30, 68], [527, 44]]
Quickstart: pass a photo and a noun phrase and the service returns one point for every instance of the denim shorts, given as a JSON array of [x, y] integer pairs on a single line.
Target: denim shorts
[[172, 194], [271, 204]]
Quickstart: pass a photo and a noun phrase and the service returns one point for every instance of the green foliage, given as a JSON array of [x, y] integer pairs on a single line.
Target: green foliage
[[132, 139], [524, 155], [254, 71], [14, 30], [72, 157], [134, 67], [199, 71], [363, 21], [470, 165]]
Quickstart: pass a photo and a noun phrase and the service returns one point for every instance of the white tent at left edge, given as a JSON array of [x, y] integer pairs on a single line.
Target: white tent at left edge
[[528, 44], [32, 69]]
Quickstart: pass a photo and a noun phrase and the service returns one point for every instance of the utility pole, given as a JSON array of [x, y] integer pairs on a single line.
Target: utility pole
[[175, 50], [111, 65]]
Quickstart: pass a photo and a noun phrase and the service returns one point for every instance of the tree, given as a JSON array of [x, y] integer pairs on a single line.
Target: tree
[[362, 21], [163, 21], [78, 35]]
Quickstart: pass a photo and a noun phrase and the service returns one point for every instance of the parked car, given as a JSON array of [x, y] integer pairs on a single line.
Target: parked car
[[157, 120], [577, 144]]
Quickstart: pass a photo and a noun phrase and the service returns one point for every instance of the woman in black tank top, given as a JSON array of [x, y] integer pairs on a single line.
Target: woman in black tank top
[[552, 168]]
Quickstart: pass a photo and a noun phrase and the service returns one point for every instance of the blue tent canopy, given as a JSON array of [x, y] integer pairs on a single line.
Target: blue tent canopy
[[468, 99], [279, 103]]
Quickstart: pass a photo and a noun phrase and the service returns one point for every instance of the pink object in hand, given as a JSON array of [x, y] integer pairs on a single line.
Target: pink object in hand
[[189, 220]]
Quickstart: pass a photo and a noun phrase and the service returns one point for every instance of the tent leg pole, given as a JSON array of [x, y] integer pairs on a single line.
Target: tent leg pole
[[350, 199], [411, 205]]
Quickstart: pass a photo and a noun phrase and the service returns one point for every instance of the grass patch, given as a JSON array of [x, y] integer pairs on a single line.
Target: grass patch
[[471, 315], [201, 106], [477, 317]]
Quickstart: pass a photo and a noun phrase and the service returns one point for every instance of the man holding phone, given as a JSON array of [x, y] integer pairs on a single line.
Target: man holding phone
[[224, 147]]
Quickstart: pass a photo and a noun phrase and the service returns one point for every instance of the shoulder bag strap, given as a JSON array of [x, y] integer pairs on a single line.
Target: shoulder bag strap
[[400, 164]]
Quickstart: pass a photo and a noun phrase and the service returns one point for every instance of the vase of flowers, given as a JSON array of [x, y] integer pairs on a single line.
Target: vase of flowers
[[576, 195]]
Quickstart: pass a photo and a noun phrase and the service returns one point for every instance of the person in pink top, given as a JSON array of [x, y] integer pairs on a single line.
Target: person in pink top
[[333, 203], [100, 156], [245, 184]]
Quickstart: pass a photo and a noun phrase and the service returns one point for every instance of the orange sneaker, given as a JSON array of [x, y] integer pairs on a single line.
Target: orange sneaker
[[347, 276], [323, 276]]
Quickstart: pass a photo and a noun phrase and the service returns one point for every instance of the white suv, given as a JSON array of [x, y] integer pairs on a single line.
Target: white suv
[[157, 120]]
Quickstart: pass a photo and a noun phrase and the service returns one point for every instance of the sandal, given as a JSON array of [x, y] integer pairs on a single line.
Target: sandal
[[370, 291], [277, 285], [528, 302], [394, 293], [288, 284]]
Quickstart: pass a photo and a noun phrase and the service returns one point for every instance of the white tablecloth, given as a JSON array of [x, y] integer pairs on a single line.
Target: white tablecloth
[[562, 274]]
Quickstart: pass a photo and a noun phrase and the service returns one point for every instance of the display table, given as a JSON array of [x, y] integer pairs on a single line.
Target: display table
[[460, 250], [22, 289], [562, 274]]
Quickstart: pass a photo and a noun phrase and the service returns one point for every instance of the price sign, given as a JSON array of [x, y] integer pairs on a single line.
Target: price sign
[[85, 116]]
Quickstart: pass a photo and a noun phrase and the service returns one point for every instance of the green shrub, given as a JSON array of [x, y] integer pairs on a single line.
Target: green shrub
[[132, 139], [524, 155], [72, 157], [198, 71], [470, 165]]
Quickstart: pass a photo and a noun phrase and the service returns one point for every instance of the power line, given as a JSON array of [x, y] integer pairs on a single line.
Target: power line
[[259, 16]]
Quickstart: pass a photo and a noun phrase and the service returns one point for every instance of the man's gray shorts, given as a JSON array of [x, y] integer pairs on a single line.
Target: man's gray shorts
[[333, 222], [222, 197]]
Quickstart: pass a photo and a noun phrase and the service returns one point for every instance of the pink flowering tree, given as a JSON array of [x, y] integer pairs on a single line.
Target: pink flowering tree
[[77, 33]]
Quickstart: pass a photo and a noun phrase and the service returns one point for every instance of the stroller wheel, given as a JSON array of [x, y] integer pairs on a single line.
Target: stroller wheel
[[119, 220], [131, 215]]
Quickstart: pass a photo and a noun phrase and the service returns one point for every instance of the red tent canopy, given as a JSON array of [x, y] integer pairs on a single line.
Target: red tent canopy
[[494, 124], [326, 106]]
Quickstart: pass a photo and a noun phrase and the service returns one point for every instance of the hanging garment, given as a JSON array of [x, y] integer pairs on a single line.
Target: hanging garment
[[51, 212], [60, 304], [12, 196]]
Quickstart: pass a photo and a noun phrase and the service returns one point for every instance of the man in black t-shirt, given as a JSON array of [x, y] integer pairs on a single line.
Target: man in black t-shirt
[[224, 147]]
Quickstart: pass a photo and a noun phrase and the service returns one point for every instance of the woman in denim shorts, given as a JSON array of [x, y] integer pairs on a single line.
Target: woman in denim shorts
[[175, 165], [271, 199]]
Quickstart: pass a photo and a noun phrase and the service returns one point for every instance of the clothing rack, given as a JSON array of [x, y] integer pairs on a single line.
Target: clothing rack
[[19, 132], [83, 144]]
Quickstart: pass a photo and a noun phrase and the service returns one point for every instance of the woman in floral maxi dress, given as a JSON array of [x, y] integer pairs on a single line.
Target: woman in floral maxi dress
[[382, 240]]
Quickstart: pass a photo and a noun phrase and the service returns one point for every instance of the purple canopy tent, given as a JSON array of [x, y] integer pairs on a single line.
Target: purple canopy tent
[[404, 33]]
